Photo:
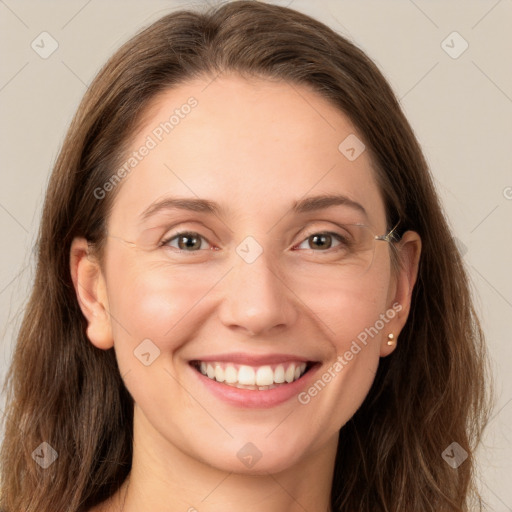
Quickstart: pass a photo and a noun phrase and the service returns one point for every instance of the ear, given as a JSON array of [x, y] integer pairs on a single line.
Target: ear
[[409, 250], [91, 292]]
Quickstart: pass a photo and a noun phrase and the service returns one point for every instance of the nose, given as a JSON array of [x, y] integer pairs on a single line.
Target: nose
[[257, 299]]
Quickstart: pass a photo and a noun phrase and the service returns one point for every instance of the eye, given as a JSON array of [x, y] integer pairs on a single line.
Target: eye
[[188, 241], [322, 240], [191, 241]]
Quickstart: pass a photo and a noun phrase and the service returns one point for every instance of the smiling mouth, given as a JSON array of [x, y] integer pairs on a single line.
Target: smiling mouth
[[260, 378]]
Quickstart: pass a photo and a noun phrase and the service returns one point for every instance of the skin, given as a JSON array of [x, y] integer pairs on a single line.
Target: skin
[[254, 147]]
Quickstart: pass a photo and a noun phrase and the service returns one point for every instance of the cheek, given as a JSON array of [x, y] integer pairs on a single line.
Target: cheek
[[355, 316], [154, 300], [145, 305], [347, 309]]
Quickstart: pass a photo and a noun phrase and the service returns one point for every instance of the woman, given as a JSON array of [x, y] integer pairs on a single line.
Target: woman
[[246, 292]]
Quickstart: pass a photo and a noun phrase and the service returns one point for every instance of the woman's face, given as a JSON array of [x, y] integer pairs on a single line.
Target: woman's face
[[248, 294]]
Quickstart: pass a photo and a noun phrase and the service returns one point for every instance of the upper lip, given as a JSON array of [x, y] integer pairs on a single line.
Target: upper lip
[[253, 359]]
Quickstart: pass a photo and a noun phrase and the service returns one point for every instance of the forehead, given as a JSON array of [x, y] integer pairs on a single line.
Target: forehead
[[252, 146]]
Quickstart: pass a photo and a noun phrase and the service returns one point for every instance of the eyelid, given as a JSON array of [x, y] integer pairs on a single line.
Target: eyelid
[[176, 230], [313, 230]]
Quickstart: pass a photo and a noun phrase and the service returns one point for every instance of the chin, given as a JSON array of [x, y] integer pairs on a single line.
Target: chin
[[254, 454]]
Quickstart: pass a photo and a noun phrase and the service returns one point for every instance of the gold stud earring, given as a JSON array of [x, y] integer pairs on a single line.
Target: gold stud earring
[[391, 339]]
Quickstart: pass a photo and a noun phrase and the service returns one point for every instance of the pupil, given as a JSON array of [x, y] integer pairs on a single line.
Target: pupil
[[315, 239], [195, 242]]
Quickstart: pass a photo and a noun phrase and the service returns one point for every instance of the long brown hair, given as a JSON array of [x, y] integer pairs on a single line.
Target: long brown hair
[[62, 390]]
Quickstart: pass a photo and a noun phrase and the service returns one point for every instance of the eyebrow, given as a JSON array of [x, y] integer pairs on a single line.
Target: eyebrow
[[307, 205]]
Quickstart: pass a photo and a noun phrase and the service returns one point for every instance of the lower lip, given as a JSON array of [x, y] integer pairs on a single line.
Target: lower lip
[[250, 398]]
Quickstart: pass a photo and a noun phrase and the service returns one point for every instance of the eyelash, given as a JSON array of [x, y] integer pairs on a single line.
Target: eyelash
[[337, 236]]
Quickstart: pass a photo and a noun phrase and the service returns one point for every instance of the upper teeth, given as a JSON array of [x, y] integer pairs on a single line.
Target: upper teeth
[[252, 376]]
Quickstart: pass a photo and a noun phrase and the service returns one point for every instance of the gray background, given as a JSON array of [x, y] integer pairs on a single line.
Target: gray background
[[460, 109]]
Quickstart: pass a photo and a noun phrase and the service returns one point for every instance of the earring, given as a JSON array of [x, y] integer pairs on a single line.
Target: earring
[[391, 339]]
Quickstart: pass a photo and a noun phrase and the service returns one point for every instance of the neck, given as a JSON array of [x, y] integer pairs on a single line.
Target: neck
[[164, 478]]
